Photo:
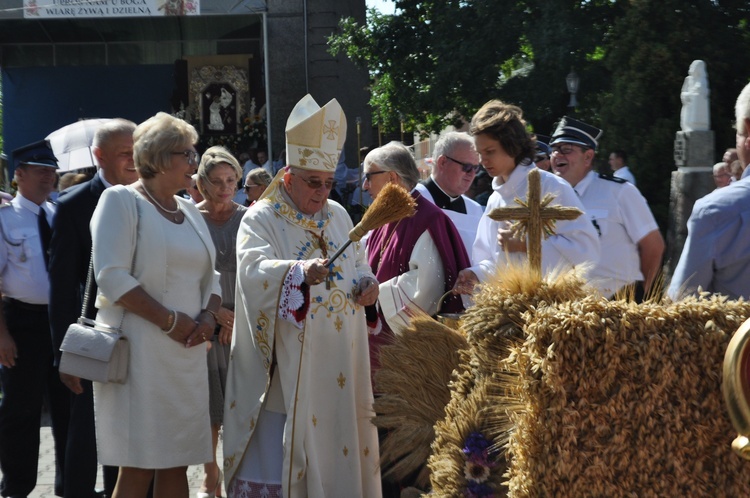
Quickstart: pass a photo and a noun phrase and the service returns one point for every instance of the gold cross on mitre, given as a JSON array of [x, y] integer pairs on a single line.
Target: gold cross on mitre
[[534, 217]]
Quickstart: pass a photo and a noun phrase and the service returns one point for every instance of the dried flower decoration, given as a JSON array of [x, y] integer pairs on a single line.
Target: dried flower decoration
[[480, 459]]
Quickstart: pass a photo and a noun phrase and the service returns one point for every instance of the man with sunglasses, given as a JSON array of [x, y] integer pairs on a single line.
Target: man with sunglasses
[[456, 163], [631, 244]]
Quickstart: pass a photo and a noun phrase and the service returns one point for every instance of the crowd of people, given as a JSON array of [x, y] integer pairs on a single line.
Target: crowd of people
[[237, 317]]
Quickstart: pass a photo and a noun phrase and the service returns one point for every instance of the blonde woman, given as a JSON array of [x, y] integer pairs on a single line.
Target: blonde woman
[[256, 182], [218, 175], [154, 425]]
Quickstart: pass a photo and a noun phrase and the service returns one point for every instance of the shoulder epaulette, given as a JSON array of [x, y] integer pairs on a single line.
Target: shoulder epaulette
[[612, 178]]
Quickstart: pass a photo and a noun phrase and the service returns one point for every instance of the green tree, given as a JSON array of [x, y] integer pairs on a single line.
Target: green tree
[[436, 60], [433, 61]]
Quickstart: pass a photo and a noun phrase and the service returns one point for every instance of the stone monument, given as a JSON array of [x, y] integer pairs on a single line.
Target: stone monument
[[693, 157]]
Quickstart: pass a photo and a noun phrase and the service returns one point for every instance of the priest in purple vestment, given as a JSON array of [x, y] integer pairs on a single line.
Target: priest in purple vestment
[[417, 259]]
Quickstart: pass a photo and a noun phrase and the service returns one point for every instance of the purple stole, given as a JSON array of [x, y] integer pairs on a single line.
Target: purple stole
[[393, 259]]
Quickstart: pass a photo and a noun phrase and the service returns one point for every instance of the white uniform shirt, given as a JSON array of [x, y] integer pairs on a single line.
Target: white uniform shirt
[[575, 241], [22, 268], [622, 218], [466, 223], [625, 174]]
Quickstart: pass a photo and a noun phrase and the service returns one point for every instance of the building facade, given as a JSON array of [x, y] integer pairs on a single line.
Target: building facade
[[222, 63]]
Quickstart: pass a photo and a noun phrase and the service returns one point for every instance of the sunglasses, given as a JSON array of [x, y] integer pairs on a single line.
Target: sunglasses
[[315, 184], [368, 176], [248, 187], [191, 155], [466, 167]]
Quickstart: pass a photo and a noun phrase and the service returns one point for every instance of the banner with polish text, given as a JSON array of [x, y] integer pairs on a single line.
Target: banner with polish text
[[71, 9]]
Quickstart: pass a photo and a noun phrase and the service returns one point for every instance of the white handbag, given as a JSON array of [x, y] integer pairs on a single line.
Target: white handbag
[[94, 351]]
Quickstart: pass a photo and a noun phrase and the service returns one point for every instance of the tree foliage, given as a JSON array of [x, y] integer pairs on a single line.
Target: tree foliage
[[435, 61]]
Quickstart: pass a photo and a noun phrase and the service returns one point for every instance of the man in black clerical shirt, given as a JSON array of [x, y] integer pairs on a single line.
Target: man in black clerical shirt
[[455, 164]]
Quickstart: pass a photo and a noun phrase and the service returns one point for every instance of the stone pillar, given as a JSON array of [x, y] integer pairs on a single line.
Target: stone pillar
[[694, 158]]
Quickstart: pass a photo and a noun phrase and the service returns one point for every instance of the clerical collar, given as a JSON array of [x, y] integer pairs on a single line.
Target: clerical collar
[[442, 199]]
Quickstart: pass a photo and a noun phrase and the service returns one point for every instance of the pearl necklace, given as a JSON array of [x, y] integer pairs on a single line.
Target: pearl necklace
[[173, 212]]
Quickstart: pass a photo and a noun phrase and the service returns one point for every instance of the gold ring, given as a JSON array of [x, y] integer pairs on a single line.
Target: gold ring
[[203, 336]]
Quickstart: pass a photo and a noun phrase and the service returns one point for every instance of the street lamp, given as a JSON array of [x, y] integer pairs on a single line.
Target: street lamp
[[572, 80]]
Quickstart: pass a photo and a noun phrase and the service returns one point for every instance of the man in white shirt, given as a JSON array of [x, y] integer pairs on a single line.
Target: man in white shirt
[[617, 160], [456, 163], [631, 244], [27, 371]]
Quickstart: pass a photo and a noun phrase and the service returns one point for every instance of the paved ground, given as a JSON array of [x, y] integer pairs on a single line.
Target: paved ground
[[45, 485]]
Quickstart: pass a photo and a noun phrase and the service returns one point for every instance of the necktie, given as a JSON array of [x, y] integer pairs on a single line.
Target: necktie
[[45, 234]]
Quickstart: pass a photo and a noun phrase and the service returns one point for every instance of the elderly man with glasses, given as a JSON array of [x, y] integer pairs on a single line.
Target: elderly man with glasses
[[299, 399], [456, 163], [631, 244]]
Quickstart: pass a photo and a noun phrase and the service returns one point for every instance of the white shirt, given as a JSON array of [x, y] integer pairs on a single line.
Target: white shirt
[[466, 223], [622, 218], [575, 241], [22, 269], [100, 172], [625, 174]]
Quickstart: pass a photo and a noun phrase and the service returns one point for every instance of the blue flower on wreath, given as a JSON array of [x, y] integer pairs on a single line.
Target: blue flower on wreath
[[480, 459]]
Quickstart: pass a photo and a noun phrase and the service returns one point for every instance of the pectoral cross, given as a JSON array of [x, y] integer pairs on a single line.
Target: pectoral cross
[[535, 218]]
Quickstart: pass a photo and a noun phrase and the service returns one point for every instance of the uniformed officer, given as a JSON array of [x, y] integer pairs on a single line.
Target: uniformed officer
[[632, 246], [27, 373]]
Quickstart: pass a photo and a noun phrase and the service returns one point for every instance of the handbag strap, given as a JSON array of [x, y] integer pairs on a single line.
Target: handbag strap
[[90, 275]]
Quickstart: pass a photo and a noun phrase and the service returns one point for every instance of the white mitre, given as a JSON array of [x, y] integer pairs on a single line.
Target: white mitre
[[315, 135]]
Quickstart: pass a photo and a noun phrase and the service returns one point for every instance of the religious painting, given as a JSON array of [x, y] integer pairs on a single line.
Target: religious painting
[[219, 109], [219, 95]]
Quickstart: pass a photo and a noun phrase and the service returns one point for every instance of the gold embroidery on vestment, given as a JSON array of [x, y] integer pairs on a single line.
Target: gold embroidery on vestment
[[261, 337]]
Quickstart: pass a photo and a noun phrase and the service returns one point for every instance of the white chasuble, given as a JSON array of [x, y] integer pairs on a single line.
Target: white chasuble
[[330, 447]]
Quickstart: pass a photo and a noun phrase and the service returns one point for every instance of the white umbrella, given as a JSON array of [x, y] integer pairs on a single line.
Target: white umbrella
[[71, 144]]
